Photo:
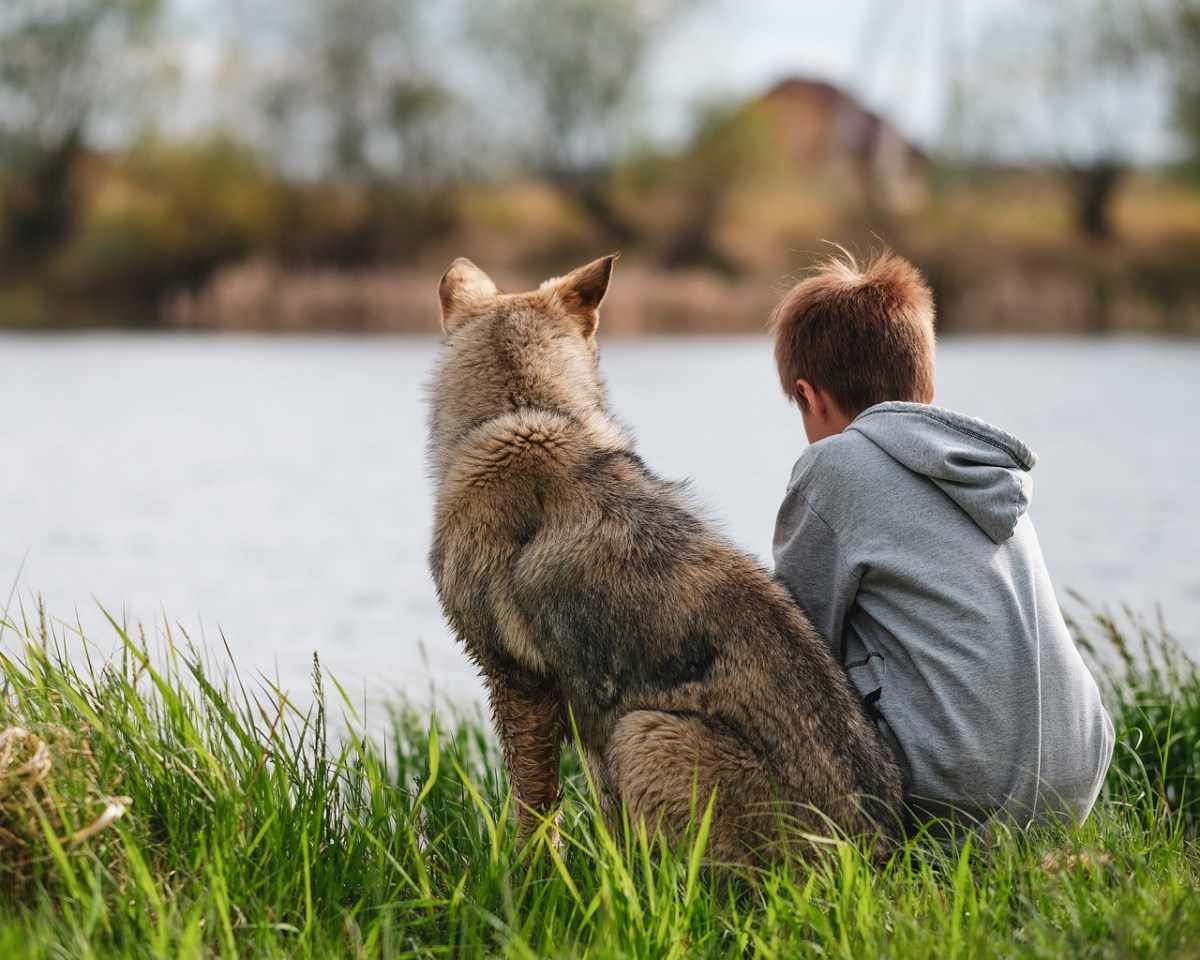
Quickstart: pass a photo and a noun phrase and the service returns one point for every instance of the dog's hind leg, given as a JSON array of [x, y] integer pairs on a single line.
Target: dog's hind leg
[[666, 766], [531, 722]]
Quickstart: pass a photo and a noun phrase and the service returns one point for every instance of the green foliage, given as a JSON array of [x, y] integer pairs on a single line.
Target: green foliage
[[56, 67], [356, 103], [253, 831], [732, 145], [576, 67], [64, 66], [578, 64], [164, 216], [1071, 85], [1183, 41]]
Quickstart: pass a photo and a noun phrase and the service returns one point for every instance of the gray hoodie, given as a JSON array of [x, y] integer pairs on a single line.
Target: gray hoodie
[[906, 540]]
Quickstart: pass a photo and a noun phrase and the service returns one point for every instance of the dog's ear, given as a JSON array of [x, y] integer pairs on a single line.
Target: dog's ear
[[463, 286], [582, 289]]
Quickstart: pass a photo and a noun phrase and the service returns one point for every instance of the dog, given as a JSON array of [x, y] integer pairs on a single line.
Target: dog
[[589, 590]]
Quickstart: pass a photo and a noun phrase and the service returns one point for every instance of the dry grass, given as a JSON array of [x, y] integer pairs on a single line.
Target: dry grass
[[260, 296], [1000, 250], [50, 803], [1027, 299], [1007, 297]]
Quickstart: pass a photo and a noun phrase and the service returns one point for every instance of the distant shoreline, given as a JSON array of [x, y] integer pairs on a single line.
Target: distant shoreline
[[1015, 299]]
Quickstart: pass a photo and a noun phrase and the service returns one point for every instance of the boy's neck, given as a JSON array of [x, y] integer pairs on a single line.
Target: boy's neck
[[822, 416], [821, 413]]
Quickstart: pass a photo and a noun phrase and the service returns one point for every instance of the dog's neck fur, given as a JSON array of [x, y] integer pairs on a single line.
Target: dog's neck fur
[[525, 390], [597, 429]]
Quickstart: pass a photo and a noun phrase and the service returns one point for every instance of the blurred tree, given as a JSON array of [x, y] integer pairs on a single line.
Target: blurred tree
[[1183, 43], [66, 67], [164, 217], [351, 97], [577, 64], [730, 144], [350, 114], [1073, 83]]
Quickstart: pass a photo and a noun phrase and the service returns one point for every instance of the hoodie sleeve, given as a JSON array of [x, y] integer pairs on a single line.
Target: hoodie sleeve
[[811, 563]]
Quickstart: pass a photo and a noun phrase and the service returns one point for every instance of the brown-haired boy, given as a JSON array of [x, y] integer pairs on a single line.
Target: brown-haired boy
[[904, 536]]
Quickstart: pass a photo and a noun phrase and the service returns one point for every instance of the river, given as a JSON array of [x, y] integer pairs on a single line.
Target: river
[[271, 494]]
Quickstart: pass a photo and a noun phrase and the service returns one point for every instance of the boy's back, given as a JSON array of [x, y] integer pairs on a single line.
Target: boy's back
[[905, 538]]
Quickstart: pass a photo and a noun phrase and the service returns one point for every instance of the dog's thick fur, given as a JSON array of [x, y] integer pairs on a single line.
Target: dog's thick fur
[[583, 585]]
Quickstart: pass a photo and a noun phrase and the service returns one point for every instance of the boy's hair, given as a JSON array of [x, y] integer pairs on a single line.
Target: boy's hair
[[865, 336]]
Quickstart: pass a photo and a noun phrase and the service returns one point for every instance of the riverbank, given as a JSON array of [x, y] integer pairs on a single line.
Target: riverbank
[[999, 247], [1014, 294], [160, 804]]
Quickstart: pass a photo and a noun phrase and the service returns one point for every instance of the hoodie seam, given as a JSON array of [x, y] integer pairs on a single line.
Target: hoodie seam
[[801, 487], [799, 491], [966, 431], [808, 505]]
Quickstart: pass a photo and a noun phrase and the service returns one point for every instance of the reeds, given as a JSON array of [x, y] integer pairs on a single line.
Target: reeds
[[262, 297], [1152, 689]]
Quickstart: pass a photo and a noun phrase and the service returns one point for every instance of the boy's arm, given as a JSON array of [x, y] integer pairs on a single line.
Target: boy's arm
[[811, 563]]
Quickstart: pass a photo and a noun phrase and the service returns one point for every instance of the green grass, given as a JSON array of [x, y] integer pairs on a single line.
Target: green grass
[[251, 829]]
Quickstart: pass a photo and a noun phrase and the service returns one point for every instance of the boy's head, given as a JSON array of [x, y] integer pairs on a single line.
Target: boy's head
[[847, 339]]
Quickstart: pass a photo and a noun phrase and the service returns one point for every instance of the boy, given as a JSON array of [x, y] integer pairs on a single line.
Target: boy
[[904, 536]]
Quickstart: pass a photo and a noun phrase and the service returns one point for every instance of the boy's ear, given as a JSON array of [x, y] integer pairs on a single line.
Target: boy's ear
[[463, 286], [582, 290], [807, 397]]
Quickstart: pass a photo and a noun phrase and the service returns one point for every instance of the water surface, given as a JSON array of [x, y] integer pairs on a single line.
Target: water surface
[[272, 492]]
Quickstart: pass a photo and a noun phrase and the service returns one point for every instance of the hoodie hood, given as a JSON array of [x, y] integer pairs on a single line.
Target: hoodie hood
[[981, 468]]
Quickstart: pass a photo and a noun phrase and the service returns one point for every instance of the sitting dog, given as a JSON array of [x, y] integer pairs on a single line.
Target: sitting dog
[[586, 587]]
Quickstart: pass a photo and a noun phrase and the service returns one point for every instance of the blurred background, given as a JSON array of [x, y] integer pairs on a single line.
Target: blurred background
[[305, 164], [312, 166]]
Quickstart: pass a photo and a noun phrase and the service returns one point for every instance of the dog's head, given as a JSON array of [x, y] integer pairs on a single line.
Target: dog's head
[[504, 351]]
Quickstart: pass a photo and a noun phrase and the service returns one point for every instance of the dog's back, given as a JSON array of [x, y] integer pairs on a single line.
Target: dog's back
[[576, 577]]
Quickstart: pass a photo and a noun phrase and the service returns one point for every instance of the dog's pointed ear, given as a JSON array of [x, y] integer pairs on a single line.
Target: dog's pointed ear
[[582, 289], [463, 286]]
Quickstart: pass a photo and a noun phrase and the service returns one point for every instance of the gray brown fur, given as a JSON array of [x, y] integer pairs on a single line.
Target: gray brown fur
[[583, 585]]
